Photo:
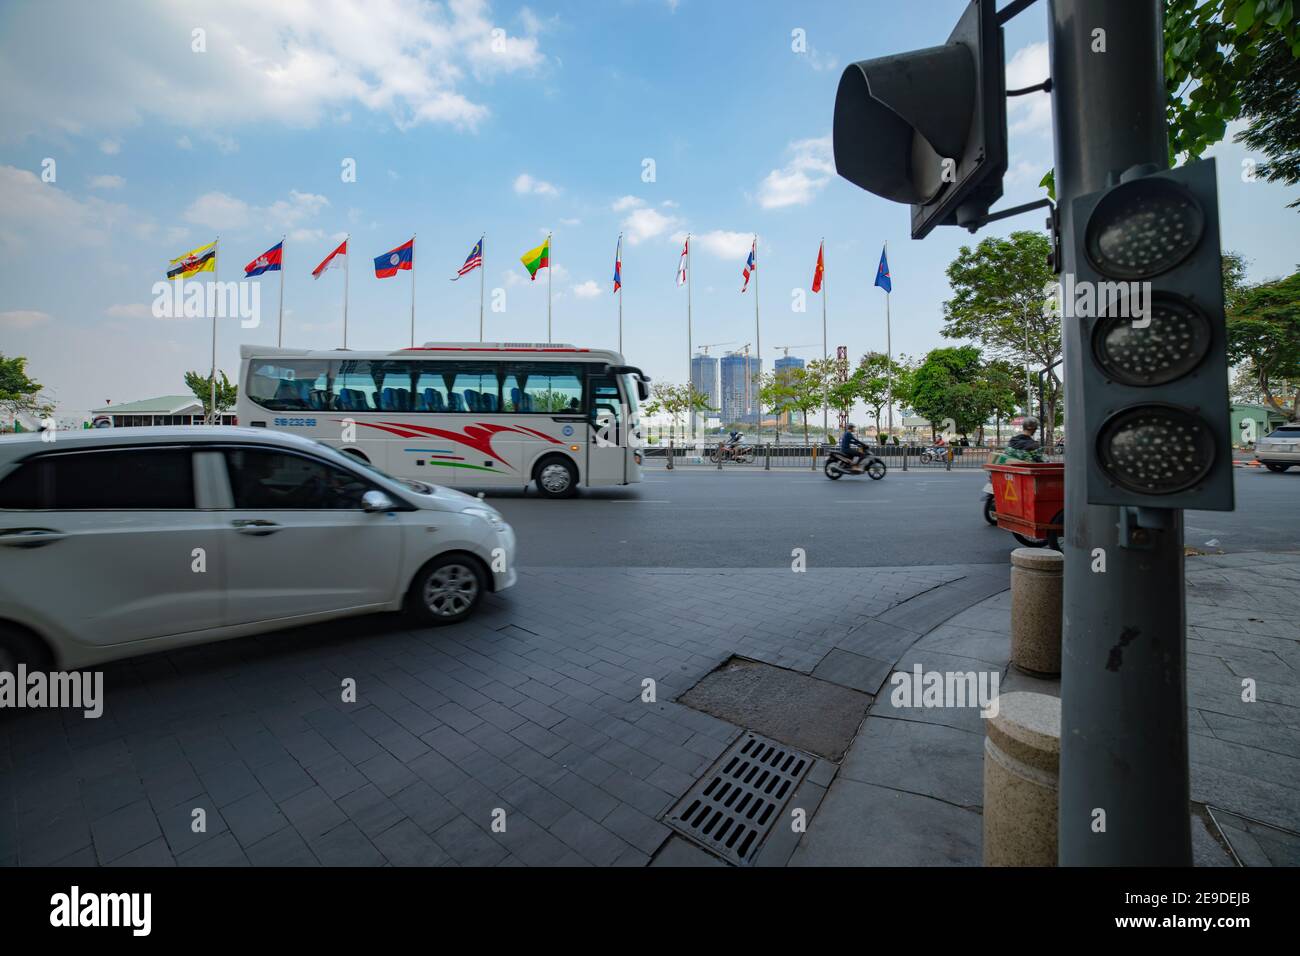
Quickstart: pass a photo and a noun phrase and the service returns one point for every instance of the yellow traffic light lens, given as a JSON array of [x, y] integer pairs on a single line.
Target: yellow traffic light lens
[[1155, 449], [1143, 228], [1171, 344]]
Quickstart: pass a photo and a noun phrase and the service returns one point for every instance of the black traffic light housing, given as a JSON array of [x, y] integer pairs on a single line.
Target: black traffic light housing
[[1157, 416], [929, 127]]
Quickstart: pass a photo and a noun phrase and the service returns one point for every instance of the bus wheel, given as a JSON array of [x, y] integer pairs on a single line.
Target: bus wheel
[[356, 454], [556, 477]]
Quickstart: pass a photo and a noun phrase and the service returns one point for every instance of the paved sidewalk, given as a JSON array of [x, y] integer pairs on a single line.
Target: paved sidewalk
[[909, 791]]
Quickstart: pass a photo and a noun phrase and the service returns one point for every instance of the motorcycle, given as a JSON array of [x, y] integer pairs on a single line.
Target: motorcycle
[[838, 463], [991, 516], [740, 454], [934, 453]]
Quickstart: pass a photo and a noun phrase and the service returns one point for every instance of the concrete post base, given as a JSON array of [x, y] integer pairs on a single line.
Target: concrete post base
[[1036, 580], [1022, 753]]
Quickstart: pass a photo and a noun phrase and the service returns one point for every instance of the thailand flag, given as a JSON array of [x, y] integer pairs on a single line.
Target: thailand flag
[[269, 261], [618, 264], [390, 263], [750, 265], [335, 260]]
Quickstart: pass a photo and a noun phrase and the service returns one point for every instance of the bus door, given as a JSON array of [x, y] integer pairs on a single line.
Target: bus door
[[607, 445]]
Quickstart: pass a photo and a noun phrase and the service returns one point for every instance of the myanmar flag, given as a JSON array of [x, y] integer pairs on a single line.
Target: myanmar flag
[[202, 259], [539, 258]]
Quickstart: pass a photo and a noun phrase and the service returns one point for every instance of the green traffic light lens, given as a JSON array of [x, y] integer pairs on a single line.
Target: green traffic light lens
[[1169, 346], [1155, 449], [1143, 228]]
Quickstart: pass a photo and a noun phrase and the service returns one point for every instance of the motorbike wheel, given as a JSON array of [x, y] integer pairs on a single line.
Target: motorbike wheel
[[832, 470], [990, 514], [926, 458], [876, 470]]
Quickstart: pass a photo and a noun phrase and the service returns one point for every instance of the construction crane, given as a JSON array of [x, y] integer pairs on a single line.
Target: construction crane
[[785, 349], [704, 349]]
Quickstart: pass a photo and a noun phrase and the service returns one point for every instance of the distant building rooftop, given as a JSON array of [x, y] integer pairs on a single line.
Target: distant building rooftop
[[163, 405]]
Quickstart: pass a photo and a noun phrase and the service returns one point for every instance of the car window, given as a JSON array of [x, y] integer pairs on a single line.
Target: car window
[[131, 479], [1286, 431], [268, 479]]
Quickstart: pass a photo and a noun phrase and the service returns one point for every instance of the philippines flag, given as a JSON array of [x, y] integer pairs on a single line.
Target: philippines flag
[[882, 273], [390, 263], [473, 261], [269, 261], [750, 265], [335, 260], [681, 263], [618, 264]]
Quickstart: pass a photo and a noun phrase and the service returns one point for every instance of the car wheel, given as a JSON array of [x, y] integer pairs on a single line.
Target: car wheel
[[832, 470], [447, 590], [556, 478], [990, 510], [876, 470], [21, 647], [1278, 468]]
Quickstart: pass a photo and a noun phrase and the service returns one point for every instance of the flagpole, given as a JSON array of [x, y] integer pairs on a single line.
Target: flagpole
[[758, 347], [347, 259], [690, 348], [549, 269], [279, 338], [889, 354], [482, 268], [413, 290], [825, 351], [618, 262], [216, 265]]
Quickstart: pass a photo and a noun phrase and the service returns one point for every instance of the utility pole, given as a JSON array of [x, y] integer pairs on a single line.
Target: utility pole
[[1123, 681]]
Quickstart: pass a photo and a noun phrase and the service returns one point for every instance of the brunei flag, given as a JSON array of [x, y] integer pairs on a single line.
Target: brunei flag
[[202, 259], [539, 258]]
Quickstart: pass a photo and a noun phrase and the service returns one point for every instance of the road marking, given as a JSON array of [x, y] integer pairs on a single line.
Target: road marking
[[640, 501], [862, 501]]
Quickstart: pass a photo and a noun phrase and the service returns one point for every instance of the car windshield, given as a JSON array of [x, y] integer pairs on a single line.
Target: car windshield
[[419, 487], [1286, 431]]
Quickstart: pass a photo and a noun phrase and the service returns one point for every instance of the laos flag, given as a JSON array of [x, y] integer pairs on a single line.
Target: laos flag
[[388, 265]]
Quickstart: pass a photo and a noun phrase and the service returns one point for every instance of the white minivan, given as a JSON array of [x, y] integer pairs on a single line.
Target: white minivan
[[132, 540]]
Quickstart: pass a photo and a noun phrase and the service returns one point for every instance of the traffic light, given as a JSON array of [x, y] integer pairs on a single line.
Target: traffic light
[[929, 127], [1155, 375]]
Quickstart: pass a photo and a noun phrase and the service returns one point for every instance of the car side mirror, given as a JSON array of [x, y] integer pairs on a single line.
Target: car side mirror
[[374, 501]]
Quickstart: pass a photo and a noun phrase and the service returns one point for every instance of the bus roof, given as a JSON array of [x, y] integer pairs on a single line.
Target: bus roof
[[461, 349]]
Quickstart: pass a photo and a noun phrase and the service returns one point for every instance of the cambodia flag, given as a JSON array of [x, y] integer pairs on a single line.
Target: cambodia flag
[[269, 261], [882, 274], [390, 263]]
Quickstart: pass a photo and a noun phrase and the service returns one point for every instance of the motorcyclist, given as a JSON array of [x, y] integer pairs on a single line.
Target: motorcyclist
[[852, 447], [1024, 445], [733, 439]]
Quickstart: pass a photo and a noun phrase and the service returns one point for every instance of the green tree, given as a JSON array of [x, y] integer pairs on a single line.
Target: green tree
[[1272, 106], [201, 386], [676, 401], [954, 384], [875, 376], [1000, 301], [20, 393], [1264, 336]]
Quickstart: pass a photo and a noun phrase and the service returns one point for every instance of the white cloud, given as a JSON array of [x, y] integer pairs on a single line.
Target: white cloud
[[23, 318], [295, 62], [107, 181], [587, 290], [626, 202], [1031, 113], [308, 235], [131, 310], [527, 185], [219, 211], [721, 243], [223, 212], [184, 143], [570, 222], [110, 147], [642, 221], [36, 209], [822, 62], [809, 169]]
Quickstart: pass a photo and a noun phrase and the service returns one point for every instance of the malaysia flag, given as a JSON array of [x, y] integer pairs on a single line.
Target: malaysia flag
[[390, 263], [335, 260], [750, 265], [269, 261]]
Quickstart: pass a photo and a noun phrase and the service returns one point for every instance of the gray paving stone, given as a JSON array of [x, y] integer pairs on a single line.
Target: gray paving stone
[[285, 847], [406, 844], [681, 852], [222, 850], [425, 807], [370, 810], [468, 845], [588, 838], [928, 759], [312, 813], [124, 830], [346, 845]]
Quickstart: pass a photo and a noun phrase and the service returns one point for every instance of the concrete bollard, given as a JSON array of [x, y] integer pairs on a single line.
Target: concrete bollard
[[1036, 579], [670, 454], [1022, 755]]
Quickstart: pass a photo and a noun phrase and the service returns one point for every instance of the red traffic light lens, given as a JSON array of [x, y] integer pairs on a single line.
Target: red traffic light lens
[[1155, 449], [1170, 346], [1143, 228]]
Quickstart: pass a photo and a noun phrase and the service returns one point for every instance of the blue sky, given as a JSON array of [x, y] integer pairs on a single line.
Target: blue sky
[[159, 148]]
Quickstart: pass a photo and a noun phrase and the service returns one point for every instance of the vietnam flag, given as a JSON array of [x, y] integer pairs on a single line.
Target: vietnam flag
[[821, 269], [539, 258], [390, 263]]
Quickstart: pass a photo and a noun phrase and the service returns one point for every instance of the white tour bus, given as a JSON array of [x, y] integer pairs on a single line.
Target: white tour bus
[[468, 415]]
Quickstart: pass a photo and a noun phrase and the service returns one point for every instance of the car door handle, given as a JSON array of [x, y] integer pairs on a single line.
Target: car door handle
[[255, 526], [30, 537]]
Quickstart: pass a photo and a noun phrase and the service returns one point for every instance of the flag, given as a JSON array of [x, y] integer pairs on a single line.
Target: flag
[[882, 274], [393, 261], [335, 260], [202, 259], [681, 263], [618, 265], [750, 265], [269, 261], [473, 261], [539, 258], [820, 270]]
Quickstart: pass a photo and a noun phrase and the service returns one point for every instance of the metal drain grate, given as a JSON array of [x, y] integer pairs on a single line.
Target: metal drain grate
[[736, 804]]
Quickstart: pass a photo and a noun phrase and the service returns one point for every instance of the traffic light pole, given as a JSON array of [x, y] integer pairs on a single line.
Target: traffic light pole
[[1124, 764]]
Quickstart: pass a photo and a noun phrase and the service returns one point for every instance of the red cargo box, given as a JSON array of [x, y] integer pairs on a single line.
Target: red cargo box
[[1029, 497]]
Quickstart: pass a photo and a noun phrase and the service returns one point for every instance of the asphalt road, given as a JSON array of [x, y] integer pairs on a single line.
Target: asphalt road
[[701, 518]]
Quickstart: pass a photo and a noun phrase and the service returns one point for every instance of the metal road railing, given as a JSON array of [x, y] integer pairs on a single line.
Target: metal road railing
[[906, 457]]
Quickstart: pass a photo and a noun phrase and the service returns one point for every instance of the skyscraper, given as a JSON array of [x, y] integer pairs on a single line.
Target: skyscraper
[[786, 364], [739, 390], [704, 378]]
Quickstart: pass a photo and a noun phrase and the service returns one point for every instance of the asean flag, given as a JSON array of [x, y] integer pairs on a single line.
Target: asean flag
[[390, 263]]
